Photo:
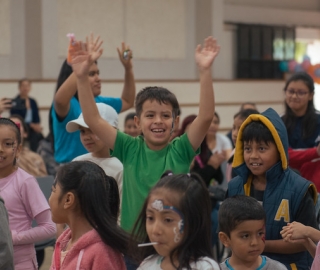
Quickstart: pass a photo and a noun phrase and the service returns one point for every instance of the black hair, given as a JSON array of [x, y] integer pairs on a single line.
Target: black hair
[[193, 202], [23, 80], [237, 209], [16, 129], [129, 116], [244, 114], [310, 117], [257, 131], [247, 103], [160, 94], [98, 198]]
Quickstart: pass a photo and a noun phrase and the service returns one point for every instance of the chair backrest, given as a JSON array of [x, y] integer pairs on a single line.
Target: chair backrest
[[45, 183]]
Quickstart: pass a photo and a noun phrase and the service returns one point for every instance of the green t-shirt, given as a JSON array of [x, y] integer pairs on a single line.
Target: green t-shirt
[[143, 167]]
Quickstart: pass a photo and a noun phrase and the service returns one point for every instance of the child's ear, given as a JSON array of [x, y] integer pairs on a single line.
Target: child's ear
[[137, 122], [224, 239], [69, 200], [176, 121]]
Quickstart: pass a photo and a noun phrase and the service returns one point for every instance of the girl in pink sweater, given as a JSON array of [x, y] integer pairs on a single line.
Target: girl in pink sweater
[[23, 199], [86, 199]]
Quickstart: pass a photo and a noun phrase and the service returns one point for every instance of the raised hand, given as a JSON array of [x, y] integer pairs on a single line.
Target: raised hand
[[80, 60], [93, 46], [5, 104], [126, 61], [205, 55]]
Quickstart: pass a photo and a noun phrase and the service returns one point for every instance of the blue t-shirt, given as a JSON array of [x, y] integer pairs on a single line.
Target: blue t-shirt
[[67, 145]]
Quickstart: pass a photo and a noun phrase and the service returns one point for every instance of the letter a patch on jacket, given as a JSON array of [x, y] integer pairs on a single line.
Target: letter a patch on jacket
[[283, 211]]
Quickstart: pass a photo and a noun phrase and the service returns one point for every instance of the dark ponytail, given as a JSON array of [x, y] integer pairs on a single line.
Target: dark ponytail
[[98, 196]]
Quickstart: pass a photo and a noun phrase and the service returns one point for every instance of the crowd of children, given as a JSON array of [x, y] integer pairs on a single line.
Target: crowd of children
[[127, 200]]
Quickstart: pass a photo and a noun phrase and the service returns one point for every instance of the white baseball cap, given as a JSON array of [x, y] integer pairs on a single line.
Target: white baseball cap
[[106, 112]]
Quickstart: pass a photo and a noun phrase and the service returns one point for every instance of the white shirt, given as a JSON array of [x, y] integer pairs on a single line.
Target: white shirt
[[154, 262]]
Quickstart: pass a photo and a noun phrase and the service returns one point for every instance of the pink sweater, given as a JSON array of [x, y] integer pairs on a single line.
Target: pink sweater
[[89, 252]]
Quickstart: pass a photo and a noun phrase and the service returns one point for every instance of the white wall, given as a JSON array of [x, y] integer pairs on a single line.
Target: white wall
[[163, 34], [229, 96]]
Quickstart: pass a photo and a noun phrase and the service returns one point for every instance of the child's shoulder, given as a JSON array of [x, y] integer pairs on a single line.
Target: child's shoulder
[[205, 263], [272, 264], [151, 262]]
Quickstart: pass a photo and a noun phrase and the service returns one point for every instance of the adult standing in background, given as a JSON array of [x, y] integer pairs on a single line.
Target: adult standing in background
[[303, 125], [66, 105], [301, 118], [27, 107]]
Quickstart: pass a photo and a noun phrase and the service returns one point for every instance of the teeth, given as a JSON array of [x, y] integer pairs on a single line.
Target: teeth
[[255, 164], [157, 130]]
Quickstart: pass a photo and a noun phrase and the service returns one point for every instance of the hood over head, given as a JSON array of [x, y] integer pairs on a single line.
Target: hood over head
[[274, 123]]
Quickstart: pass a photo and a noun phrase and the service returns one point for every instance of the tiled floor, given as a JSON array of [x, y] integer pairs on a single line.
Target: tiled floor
[[47, 259]]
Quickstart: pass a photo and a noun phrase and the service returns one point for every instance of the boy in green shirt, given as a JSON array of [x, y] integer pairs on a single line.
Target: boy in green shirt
[[146, 158]]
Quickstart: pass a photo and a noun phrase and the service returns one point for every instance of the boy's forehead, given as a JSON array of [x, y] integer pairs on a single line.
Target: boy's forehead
[[154, 105], [250, 225]]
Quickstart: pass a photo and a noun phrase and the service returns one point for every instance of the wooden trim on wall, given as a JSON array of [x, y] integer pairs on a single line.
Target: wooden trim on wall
[[184, 105], [151, 81]]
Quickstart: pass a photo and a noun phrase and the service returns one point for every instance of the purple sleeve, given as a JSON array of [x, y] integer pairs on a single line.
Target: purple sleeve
[[45, 229]]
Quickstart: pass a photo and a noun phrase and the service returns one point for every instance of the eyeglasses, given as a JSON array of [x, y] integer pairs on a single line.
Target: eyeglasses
[[299, 93]]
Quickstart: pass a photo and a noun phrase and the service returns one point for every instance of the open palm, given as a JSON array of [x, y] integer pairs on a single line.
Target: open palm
[[80, 60], [94, 47], [205, 55]]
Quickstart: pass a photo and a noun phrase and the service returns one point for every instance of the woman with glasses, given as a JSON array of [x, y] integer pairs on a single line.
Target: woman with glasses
[[303, 125], [301, 119]]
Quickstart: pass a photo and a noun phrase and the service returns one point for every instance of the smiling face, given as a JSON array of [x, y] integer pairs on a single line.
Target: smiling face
[[260, 157], [156, 123], [94, 79], [92, 143], [297, 96], [9, 150], [163, 225], [247, 242]]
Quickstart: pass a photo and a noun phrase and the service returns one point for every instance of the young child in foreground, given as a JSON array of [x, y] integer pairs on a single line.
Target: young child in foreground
[[261, 165], [87, 200], [175, 225], [23, 199], [296, 232], [146, 158], [242, 223]]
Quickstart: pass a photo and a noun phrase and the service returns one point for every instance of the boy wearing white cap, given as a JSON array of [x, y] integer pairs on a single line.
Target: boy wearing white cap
[[99, 153]]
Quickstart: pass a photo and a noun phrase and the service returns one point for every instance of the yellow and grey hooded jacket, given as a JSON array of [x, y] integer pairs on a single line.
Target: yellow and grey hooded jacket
[[284, 191]]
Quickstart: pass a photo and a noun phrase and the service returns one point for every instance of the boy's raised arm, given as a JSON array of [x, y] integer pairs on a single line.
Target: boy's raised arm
[[129, 88], [81, 62], [68, 89], [204, 57]]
